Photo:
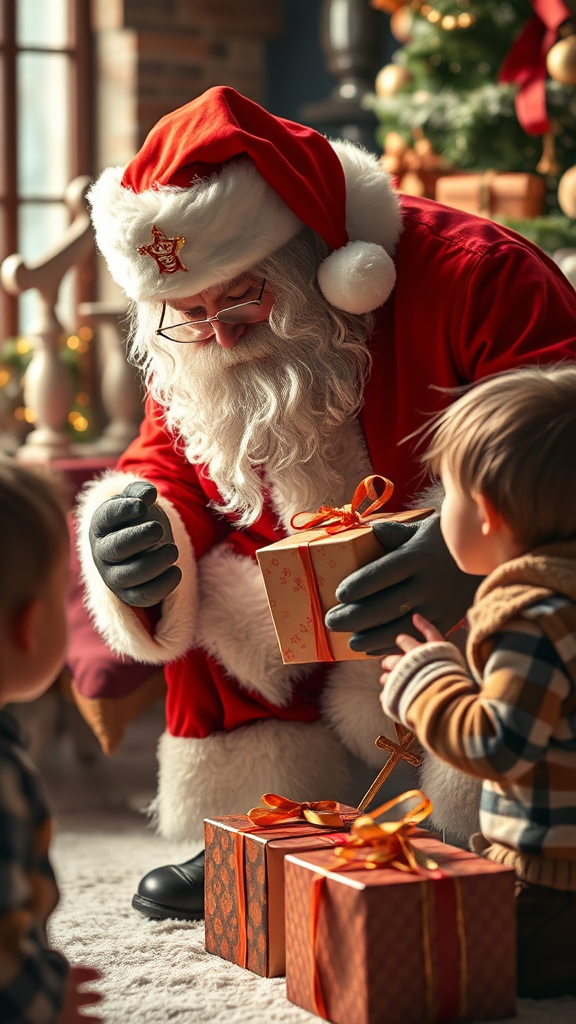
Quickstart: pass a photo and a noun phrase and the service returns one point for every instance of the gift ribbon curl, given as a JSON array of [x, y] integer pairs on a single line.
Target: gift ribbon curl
[[348, 517], [386, 844], [280, 810]]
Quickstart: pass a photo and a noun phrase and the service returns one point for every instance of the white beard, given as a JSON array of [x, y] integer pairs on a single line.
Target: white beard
[[266, 415]]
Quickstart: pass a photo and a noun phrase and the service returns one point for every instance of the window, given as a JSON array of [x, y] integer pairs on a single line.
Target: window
[[45, 130]]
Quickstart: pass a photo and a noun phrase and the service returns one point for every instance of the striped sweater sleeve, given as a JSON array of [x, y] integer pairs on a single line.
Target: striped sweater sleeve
[[497, 729]]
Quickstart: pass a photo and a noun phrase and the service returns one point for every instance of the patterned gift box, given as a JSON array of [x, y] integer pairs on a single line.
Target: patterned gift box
[[244, 903], [301, 574], [401, 947]]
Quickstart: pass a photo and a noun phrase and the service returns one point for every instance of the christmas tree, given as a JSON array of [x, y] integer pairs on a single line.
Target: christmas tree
[[473, 84]]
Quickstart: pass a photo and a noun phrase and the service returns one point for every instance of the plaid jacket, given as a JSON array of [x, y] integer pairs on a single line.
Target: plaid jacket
[[511, 717], [32, 976]]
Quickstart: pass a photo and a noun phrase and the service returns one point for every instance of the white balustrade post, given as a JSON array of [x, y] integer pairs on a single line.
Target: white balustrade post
[[47, 383], [120, 387]]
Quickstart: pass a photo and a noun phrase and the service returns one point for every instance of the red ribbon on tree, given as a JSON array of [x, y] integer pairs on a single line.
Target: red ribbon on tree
[[525, 64]]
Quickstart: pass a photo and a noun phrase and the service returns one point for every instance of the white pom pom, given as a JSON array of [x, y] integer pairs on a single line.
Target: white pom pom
[[357, 278]]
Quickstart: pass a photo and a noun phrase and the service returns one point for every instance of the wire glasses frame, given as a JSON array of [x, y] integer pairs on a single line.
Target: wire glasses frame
[[200, 330]]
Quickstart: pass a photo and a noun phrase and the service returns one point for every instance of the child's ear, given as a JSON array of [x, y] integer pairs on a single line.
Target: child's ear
[[491, 520], [24, 626]]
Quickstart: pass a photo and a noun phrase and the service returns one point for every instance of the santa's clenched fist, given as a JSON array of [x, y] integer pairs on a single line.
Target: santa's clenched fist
[[133, 547]]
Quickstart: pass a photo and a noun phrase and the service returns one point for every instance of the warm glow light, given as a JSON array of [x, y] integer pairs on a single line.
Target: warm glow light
[[4, 377], [73, 342], [449, 22], [23, 345], [465, 20], [82, 398], [85, 334], [433, 17], [28, 415], [78, 421]]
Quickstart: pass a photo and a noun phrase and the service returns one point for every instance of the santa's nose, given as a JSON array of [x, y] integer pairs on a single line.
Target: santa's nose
[[227, 334]]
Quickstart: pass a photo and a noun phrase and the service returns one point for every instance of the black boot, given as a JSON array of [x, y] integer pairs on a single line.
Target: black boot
[[173, 891]]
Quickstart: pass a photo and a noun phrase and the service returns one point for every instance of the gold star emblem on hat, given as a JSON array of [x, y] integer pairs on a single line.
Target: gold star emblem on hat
[[165, 251]]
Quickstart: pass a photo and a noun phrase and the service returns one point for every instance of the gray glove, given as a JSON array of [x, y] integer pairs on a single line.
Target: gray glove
[[133, 547], [418, 574]]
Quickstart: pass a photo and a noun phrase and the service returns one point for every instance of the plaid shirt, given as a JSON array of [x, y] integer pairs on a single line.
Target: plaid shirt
[[32, 976], [510, 721]]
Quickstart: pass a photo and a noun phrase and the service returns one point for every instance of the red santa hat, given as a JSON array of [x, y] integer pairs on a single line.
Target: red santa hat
[[220, 184]]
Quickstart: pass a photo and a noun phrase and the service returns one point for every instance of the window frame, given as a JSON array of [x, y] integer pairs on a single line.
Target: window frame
[[80, 52]]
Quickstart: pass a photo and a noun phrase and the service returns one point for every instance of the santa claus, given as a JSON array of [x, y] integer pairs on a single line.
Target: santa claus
[[294, 319]]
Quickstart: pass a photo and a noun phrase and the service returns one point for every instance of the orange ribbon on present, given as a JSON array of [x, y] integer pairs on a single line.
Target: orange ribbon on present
[[337, 520], [280, 810], [387, 842], [388, 846]]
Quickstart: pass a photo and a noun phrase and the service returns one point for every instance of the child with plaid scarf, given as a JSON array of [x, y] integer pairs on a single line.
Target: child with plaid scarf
[[506, 455], [37, 984]]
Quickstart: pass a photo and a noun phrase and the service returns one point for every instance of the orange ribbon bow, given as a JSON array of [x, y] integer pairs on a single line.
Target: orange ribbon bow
[[336, 520], [279, 809], [387, 842]]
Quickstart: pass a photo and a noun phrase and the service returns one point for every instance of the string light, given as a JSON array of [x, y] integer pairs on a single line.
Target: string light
[[78, 421], [447, 21]]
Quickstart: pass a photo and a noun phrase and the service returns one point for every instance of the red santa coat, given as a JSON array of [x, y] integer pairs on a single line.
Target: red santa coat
[[471, 299]]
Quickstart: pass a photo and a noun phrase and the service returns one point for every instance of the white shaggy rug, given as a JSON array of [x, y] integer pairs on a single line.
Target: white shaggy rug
[[154, 972]]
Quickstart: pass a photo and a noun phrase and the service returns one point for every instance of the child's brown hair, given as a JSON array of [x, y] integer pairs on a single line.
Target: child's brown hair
[[512, 439], [33, 532]]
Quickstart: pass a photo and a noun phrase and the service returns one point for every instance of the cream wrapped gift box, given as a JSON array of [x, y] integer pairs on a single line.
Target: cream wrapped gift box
[[301, 572]]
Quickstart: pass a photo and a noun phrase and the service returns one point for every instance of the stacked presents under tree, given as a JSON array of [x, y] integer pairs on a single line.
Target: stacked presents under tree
[[369, 915]]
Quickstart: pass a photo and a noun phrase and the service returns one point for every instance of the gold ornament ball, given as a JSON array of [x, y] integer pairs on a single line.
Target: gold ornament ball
[[401, 24], [391, 78], [567, 192], [561, 61]]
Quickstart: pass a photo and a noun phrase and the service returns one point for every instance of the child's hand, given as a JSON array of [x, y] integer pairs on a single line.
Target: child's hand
[[79, 976], [408, 643]]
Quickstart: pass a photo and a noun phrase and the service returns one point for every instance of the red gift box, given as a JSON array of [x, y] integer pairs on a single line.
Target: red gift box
[[244, 905], [365, 946]]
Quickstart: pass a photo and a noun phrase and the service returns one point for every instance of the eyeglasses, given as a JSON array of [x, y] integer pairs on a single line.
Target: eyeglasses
[[199, 330]]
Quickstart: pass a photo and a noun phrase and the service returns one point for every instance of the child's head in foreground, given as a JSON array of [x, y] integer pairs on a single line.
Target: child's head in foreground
[[33, 580], [506, 454]]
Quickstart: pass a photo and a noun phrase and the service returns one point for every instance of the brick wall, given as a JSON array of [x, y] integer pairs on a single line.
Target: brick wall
[[154, 55]]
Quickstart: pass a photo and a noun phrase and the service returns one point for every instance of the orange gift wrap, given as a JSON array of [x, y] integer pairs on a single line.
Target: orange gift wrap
[[489, 194], [416, 934], [244, 881], [302, 572]]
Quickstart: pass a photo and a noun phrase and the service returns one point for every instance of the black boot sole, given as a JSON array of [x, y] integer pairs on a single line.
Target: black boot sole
[[151, 909]]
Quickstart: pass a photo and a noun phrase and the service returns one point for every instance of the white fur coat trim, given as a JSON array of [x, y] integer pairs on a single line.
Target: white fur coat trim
[[228, 772], [455, 796], [117, 622], [351, 706], [235, 625]]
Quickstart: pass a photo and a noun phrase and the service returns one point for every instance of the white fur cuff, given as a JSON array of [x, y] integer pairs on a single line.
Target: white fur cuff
[[228, 772], [117, 622]]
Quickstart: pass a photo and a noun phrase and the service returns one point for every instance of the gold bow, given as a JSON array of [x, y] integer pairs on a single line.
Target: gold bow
[[336, 520], [373, 845], [279, 809]]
